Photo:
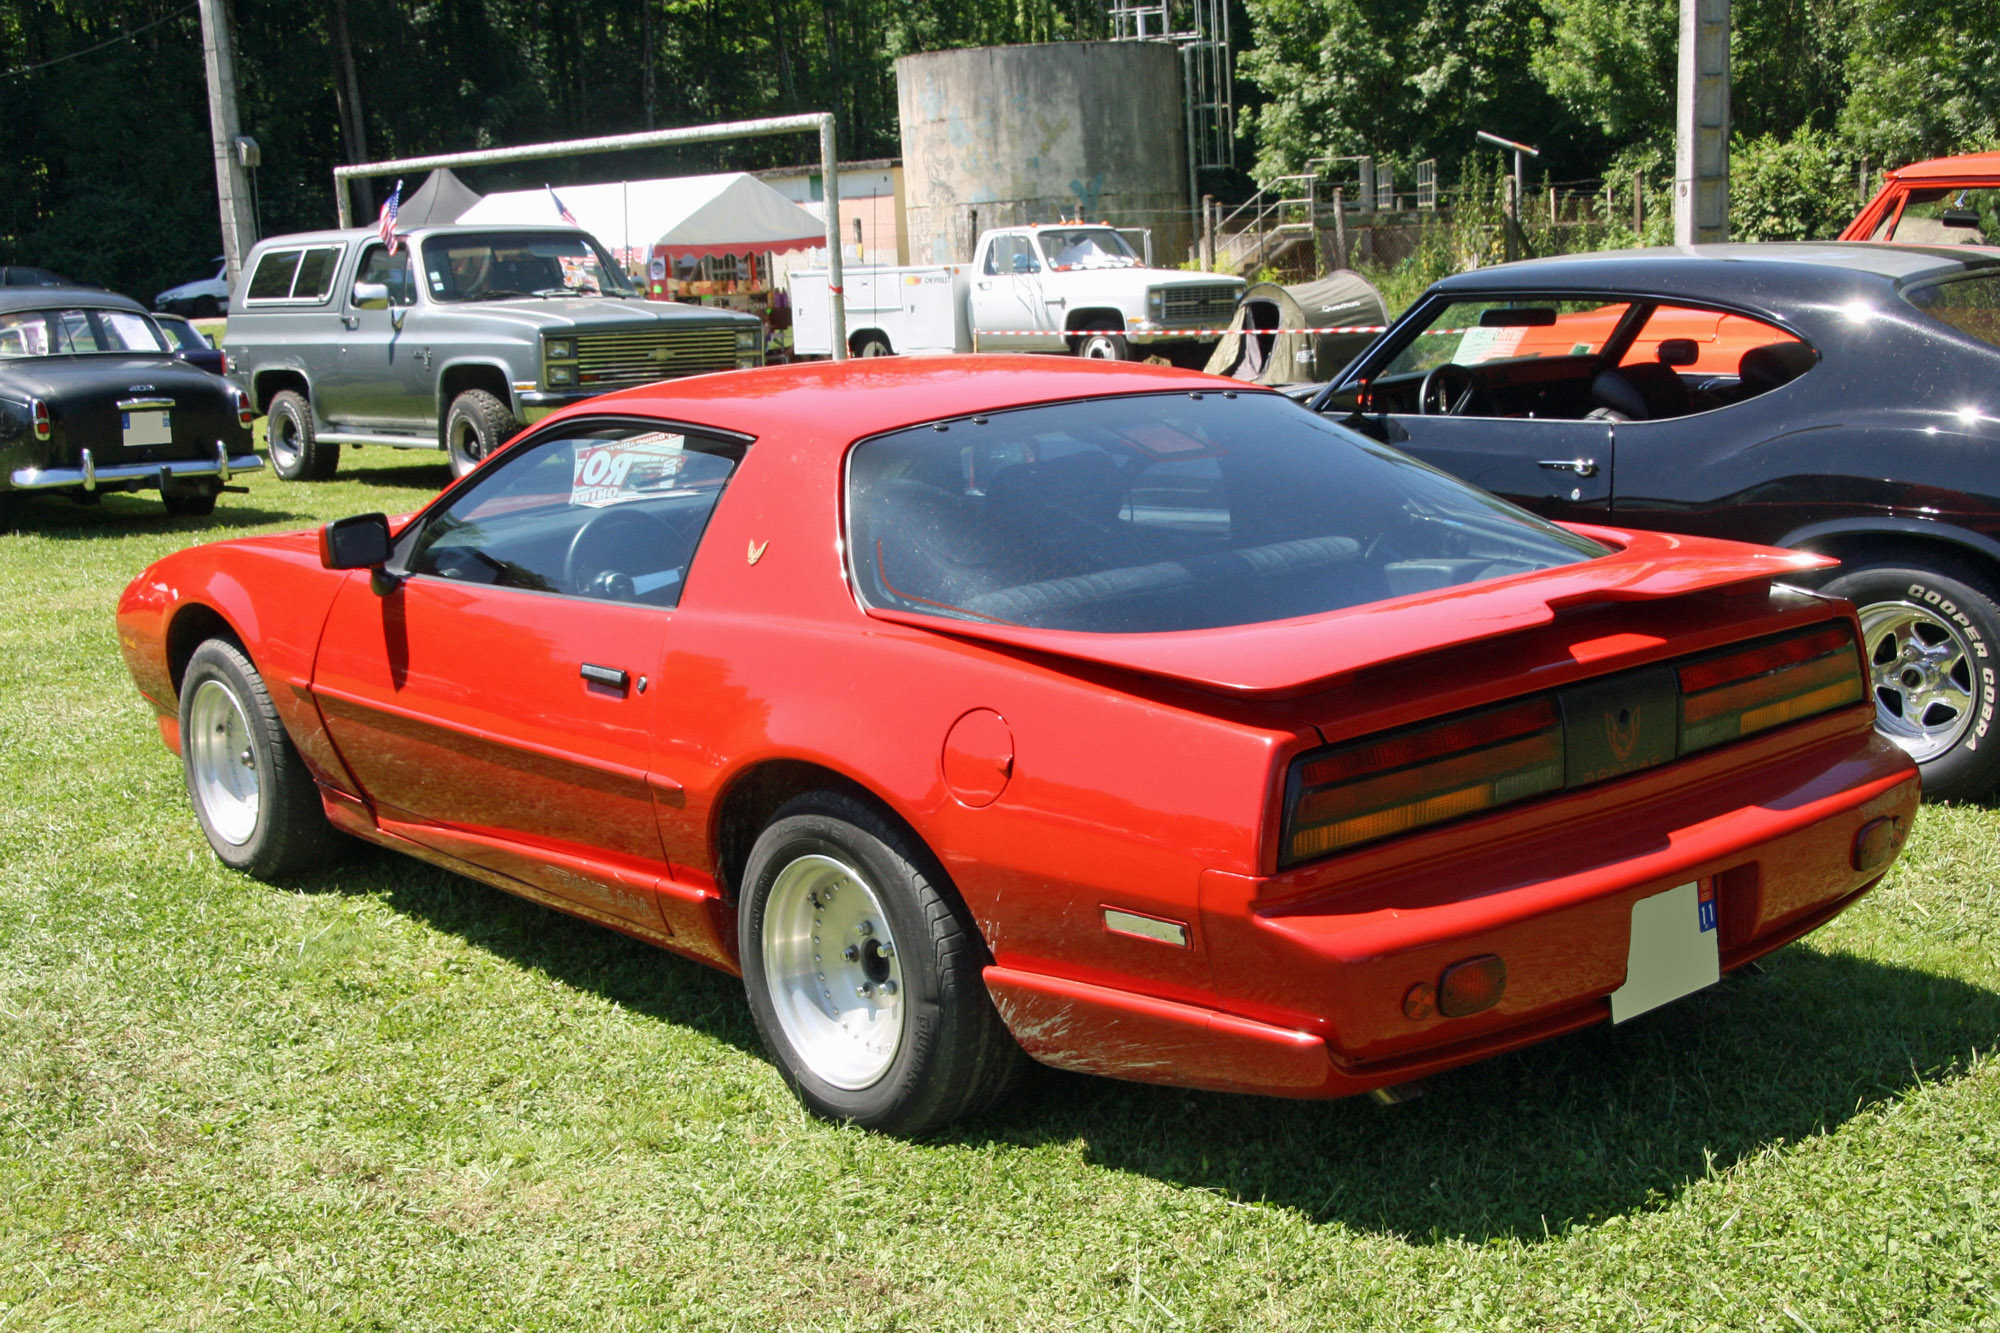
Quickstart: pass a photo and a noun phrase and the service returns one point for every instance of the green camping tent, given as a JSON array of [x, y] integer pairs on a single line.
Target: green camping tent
[[1266, 343]]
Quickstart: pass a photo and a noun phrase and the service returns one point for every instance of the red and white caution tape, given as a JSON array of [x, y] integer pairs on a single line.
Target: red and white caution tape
[[1194, 333]]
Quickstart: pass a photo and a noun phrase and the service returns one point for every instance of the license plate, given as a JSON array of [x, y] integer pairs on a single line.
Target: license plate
[[147, 428], [1673, 949]]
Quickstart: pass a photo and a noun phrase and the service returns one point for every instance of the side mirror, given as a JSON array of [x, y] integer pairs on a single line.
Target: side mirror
[[357, 542], [371, 296]]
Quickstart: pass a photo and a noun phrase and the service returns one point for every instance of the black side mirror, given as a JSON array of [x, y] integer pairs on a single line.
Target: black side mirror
[[357, 542]]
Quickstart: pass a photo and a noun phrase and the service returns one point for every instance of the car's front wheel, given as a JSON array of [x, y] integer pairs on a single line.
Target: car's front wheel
[[297, 452], [864, 972], [477, 424], [256, 801], [1932, 639], [1103, 345]]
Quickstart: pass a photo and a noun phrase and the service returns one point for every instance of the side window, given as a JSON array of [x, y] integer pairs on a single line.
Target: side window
[[1685, 360], [273, 279], [392, 271], [610, 512], [1957, 215], [315, 278], [1012, 254]]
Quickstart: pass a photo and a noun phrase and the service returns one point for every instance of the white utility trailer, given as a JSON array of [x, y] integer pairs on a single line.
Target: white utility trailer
[[919, 309]]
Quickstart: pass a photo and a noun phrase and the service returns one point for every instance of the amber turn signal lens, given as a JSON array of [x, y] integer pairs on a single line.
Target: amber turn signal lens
[[1472, 985], [1876, 843]]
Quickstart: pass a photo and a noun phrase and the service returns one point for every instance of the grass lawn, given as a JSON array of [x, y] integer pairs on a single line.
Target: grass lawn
[[386, 1097]]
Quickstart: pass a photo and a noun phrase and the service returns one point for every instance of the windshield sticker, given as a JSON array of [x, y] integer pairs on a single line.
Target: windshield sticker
[[1487, 344], [576, 273], [1163, 441], [609, 472]]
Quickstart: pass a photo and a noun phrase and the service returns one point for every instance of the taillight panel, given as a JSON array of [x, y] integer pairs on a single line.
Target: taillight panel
[[1361, 791]]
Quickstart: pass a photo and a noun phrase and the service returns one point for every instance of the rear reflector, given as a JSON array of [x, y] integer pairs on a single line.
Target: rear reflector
[[1745, 691], [1876, 843], [1375, 789], [1470, 986]]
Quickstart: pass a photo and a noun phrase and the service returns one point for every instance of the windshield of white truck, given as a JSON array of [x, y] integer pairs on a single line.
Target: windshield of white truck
[[1087, 247], [500, 266]]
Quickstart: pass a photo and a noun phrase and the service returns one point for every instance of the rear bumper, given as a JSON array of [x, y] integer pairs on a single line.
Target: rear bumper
[[132, 476], [1310, 988]]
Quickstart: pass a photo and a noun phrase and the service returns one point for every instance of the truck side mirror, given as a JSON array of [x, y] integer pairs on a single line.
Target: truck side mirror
[[371, 296]]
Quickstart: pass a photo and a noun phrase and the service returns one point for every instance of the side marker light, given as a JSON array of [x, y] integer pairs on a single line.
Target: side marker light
[[1472, 985]]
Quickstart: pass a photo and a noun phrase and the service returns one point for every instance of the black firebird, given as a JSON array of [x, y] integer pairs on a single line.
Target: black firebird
[[1839, 398], [92, 401]]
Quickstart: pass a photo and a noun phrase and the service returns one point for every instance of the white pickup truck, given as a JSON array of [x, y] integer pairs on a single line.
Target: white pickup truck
[[1053, 287]]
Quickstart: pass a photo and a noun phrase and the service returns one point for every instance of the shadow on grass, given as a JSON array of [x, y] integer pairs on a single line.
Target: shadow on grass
[[115, 516], [631, 974], [1600, 1122], [1597, 1123], [392, 475]]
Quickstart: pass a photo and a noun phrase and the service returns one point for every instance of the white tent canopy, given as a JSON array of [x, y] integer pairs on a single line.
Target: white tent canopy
[[728, 214]]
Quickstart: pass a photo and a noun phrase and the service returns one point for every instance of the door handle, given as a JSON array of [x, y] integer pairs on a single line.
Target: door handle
[[351, 321], [1583, 467], [604, 675], [985, 286]]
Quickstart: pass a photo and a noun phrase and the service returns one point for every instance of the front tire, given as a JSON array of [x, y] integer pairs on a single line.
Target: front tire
[[477, 424], [1103, 345], [872, 344], [297, 452], [864, 972], [255, 799], [1932, 639]]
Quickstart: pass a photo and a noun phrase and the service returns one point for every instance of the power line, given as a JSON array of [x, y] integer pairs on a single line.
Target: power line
[[113, 41]]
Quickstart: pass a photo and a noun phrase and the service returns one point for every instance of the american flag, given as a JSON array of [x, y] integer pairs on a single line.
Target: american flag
[[386, 228], [562, 212]]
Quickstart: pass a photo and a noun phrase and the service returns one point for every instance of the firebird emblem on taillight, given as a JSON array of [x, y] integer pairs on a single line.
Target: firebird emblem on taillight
[[1621, 732]]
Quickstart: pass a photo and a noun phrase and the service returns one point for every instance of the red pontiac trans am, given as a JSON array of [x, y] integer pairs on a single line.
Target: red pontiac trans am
[[1141, 722]]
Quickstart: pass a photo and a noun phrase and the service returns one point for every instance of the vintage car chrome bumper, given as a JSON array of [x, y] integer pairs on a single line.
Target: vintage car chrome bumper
[[90, 476]]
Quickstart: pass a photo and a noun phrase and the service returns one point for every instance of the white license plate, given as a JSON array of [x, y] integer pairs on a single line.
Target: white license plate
[[1673, 950], [147, 428]]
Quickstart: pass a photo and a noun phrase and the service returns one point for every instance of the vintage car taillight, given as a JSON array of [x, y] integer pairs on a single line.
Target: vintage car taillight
[[1748, 690], [40, 411], [244, 412], [1341, 797]]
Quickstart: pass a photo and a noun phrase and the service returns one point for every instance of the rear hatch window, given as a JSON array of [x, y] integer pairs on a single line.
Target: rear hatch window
[[1148, 513], [1970, 304]]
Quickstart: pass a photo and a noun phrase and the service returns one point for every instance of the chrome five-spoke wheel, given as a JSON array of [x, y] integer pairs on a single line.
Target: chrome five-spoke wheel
[[835, 981], [1922, 669]]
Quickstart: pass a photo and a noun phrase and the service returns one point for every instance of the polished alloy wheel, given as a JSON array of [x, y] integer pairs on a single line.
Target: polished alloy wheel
[[466, 447], [830, 964], [222, 762], [1922, 669]]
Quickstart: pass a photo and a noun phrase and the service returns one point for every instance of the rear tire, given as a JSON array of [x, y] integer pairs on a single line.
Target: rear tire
[[873, 344], [255, 800], [477, 424], [901, 1037], [297, 452], [1932, 638]]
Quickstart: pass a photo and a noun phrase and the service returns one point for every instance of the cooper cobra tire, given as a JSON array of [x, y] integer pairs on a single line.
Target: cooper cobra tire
[[1103, 345], [477, 424], [255, 800], [863, 971], [872, 344], [297, 452], [1932, 639]]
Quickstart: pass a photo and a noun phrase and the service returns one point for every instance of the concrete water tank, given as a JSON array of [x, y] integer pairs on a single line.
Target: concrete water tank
[[1001, 135]]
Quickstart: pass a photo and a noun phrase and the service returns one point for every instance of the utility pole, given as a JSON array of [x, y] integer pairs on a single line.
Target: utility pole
[[232, 184], [1701, 137]]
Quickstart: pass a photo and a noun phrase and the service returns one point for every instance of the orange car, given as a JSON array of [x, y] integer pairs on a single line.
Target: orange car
[[1945, 201]]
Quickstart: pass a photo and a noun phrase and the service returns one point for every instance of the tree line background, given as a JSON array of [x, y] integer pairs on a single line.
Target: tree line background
[[105, 168]]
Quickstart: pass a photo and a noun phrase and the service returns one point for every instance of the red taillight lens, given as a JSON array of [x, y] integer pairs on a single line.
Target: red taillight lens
[[225, 364], [40, 411], [1472, 985], [244, 412], [1375, 789], [1748, 690]]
